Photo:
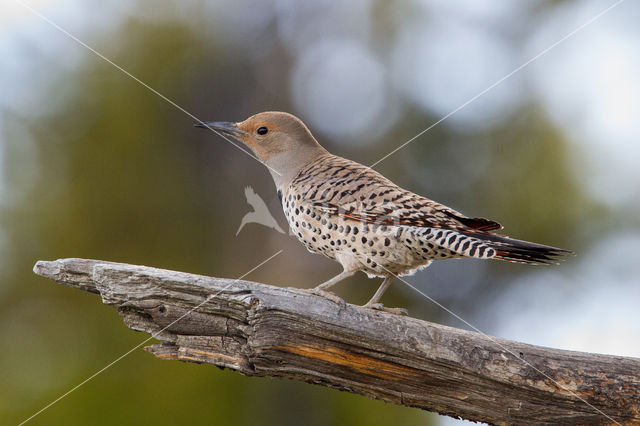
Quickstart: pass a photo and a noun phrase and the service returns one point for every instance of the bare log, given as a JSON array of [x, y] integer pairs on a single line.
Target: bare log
[[262, 330]]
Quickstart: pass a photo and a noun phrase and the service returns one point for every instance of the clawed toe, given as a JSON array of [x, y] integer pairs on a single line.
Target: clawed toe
[[381, 307], [326, 294]]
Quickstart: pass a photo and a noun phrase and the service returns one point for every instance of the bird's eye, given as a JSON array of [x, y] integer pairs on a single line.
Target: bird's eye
[[262, 130]]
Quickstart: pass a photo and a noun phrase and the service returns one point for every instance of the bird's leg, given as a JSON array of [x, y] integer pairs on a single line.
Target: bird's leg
[[335, 280], [378, 295], [374, 303], [322, 289]]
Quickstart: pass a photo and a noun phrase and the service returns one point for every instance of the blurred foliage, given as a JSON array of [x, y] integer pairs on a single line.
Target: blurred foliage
[[121, 175]]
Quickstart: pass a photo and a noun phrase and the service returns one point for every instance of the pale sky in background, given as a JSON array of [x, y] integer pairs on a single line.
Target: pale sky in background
[[591, 87], [444, 55]]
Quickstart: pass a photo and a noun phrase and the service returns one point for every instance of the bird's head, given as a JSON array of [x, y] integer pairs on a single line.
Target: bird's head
[[279, 139]]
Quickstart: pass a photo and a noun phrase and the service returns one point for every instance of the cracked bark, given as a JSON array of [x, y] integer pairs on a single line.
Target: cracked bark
[[262, 330]]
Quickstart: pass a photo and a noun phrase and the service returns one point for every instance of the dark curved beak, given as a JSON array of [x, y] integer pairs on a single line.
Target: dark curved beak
[[224, 127]]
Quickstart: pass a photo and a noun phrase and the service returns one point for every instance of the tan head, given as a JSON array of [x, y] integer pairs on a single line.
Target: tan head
[[280, 140]]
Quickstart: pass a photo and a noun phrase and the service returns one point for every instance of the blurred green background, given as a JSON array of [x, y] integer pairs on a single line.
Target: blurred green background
[[94, 165]]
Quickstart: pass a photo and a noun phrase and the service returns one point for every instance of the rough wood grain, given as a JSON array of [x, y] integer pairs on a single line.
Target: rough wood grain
[[262, 330]]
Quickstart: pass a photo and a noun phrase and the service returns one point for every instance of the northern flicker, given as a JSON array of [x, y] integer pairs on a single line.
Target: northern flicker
[[354, 215]]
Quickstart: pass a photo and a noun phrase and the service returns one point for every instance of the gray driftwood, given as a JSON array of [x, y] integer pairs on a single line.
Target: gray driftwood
[[262, 330]]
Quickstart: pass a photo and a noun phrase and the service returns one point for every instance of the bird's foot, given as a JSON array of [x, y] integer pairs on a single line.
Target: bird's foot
[[381, 307], [326, 294]]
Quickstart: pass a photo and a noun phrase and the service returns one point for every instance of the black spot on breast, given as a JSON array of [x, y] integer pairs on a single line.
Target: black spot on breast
[[355, 231], [387, 242], [280, 195], [364, 240]]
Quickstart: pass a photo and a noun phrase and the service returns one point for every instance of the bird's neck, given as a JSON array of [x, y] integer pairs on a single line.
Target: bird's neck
[[285, 166]]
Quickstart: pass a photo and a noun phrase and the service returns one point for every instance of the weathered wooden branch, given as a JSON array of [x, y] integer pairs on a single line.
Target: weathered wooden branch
[[262, 330]]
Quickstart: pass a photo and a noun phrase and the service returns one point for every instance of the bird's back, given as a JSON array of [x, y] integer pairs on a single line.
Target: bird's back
[[337, 206]]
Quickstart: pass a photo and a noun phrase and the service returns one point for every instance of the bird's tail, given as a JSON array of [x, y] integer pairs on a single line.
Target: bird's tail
[[520, 251]]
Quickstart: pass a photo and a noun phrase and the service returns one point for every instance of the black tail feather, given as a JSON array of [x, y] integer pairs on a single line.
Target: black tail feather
[[520, 251]]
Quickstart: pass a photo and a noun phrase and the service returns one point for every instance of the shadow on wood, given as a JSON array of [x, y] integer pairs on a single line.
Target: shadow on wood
[[262, 330]]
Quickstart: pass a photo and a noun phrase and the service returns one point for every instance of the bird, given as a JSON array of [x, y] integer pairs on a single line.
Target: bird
[[260, 213], [352, 214]]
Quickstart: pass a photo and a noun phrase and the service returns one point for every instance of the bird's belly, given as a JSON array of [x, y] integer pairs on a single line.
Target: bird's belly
[[380, 250]]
